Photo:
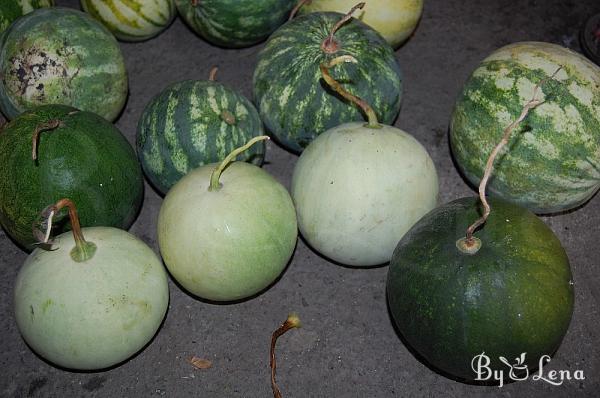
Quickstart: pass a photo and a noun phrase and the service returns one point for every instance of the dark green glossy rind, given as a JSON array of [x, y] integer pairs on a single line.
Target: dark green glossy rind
[[13, 9], [61, 56], [514, 295], [235, 23], [295, 103], [85, 159], [552, 161], [193, 123]]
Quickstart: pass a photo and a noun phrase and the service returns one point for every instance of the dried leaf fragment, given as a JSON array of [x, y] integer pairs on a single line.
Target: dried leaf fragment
[[200, 363]]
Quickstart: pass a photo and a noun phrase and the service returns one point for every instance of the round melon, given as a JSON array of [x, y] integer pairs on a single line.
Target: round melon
[[234, 23], [84, 157], [13, 9], [94, 313], [132, 20], [295, 103], [513, 296], [193, 123], [61, 56], [394, 19], [552, 161]]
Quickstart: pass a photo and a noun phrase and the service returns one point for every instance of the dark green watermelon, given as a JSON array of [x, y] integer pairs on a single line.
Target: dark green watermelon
[[234, 23], [513, 296], [193, 123], [85, 158], [61, 56], [295, 103]]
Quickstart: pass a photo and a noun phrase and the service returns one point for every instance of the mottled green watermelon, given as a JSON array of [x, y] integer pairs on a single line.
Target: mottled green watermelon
[[13, 9], [294, 102], [193, 123], [234, 23], [513, 296], [552, 162], [84, 157], [132, 20], [61, 56]]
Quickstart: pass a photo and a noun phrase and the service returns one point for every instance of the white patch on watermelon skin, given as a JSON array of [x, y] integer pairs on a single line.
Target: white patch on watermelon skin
[[198, 135], [212, 101], [179, 158], [154, 160]]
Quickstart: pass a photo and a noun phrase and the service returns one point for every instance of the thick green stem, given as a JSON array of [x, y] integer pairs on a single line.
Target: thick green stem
[[83, 249], [292, 321], [215, 185], [362, 104], [49, 125], [471, 244]]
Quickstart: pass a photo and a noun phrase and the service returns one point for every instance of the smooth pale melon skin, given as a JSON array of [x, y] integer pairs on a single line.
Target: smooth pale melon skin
[[552, 161], [92, 314], [358, 190], [132, 20], [13, 9], [395, 20], [227, 244]]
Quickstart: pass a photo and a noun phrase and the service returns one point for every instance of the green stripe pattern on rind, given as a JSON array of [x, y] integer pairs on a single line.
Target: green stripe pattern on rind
[[235, 23], [514, 295], [13, 9], [132, 20], [190, 124], [552, 162], [295, 103], [61, 56]]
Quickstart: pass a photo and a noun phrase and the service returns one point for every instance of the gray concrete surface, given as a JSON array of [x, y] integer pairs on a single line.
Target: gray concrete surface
[[347, 347]]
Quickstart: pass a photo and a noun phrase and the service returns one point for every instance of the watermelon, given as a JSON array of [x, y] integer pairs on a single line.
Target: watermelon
[[85, 158], [193, 123], [293, 101], [234, 23], [394, 19], [552, 161], [61, 56], [513, 296], [132, 20], [13, 9]]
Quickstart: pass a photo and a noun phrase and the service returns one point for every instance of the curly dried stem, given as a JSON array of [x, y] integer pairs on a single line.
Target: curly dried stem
[[212, 76], [215, 185], [469, 243], [329, 45], [297, 8], [83, 249], [49, 125], [291, 322], [335, 85]]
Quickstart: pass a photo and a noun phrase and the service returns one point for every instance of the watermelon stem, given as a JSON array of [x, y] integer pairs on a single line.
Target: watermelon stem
[[83, 250], [469, 243], [297, 8], [362, 104], [49, 125], [331, 46], [292, 321], [212, 76], [215, 185], [194, 2]]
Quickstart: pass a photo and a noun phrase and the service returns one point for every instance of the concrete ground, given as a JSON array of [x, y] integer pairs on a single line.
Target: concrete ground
[[347, 346]]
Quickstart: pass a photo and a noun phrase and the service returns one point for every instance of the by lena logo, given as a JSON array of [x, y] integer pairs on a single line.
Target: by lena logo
[[519, 371]]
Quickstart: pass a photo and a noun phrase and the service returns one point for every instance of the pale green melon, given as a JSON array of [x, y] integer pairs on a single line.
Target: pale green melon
[[96, 313]]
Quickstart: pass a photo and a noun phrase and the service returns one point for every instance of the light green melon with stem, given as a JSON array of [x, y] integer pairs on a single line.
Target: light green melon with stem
[[92, 301], [226, 231], [359, 187]]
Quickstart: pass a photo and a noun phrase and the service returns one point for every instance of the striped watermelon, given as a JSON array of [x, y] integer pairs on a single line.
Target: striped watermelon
[[552, 161], [132, 20], [293, 101], [192, 123], [394, 19], [234, 23], [13, 9], [61, 56]]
